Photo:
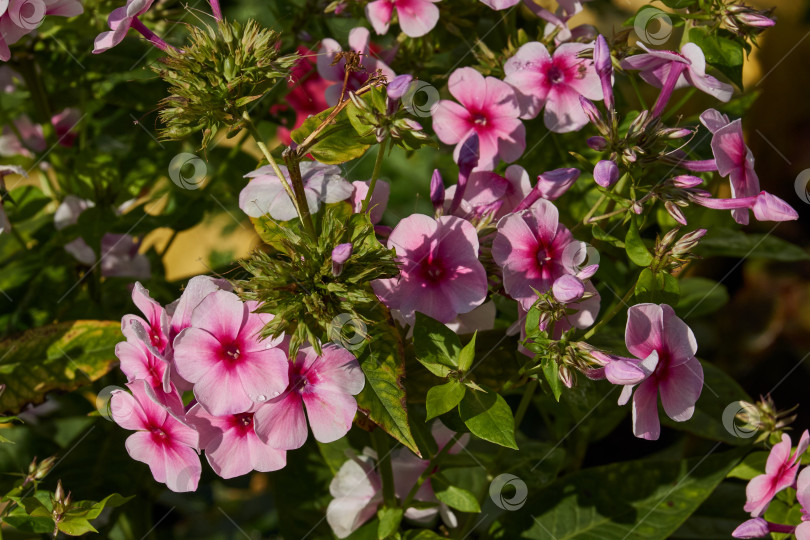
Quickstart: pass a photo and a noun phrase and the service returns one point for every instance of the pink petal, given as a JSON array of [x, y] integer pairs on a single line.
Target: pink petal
[[753, 528], [280, 423], [339, 369], [758, 493], [450, 121], [330, 413], [126, 412], [678, 338], [196, 352], [221, 313], [563, 112], [220, 391], [803, 489], [196, 290], [412, 233], [264, 374], [713, 119], [379, 15], [680, 389], [645, 411], [326, 54], [644, 331], [417, 17], [469, 87]]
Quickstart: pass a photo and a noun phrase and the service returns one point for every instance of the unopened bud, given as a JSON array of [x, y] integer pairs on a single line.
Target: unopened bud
[[437, 190], [45, 467], [59, 494], [566, 376], [340, 254], [637, 125], [469, 154], [606, 173], [674, 133], [686, 181], [597, 143], [675, 212]]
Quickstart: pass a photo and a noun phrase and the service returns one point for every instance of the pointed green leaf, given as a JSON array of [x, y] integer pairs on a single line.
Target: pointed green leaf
[[443, 398], [488, 416], [467, 355], [390, 518], [634, 245], [453, 496], [552, 373], [436, 346]]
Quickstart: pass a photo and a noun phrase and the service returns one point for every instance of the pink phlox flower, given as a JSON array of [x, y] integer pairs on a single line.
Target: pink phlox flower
[[440, 274], [533, 249], [554, 83], [802, 531], [231, 445], [32, 135], [162, 440], [655, 331], [488, 107], [324, 385], [21, 17], [765, 206], [378, 202], [64, 123], [655, 67], [780, 473], [120, 21], [155, 321], [369, 59], [264, 194], [488, 194], [222, 356], [416, 17]]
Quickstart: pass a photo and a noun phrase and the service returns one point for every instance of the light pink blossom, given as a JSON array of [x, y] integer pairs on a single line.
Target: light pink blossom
[[120, 21], [657, 336], [803, 496], [531, 248], [554, 82], [440, 274], [416, 17], [162, 440], [780, 473], [766, 207], [155, 324], [222, 356], [265, 195], [490, 194], [499, 5], [21, 17], [488, 107], [231, 445], [33, 138], [324, 385], [359, 43], [378, 202]]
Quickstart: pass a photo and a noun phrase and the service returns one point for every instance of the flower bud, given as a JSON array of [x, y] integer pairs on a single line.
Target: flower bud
[[566, 376], [638, 124], [468, 155], [604, 68], [567, 289], [675, 212], [593, 114], [437, 190], [340, 254], [674, 133], [606, 173], [398, 86], [686, 181], [597, 143]]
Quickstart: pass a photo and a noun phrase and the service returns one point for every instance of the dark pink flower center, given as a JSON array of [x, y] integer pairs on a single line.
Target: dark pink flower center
[[302, 381], [544, 255], [243, 423], [232, 352], [159, 436], [555, 74], [479, 119]]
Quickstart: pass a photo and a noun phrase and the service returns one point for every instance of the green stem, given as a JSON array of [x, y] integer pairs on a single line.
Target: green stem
[[528, 394], [382, 446], [298, 188], [636, 89], [375, 174], [612, 313]]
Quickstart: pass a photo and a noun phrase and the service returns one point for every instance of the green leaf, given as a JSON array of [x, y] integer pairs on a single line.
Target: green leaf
[[552, 373], [723, 242], [58, 357], [603, 236], [700, 296], [753, 465], [453, 496], [390, 518], [634, 245], [443, 398], [679, 4], [422, 534], [436, 346], [658, 288], [337, 143], [383, 397], [722, 53], [719, 390], [467, 355], [488, 416], [642, 500]]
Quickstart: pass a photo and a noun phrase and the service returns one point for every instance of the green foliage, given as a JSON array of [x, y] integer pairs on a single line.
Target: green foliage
[[338, 142], [722, 53], [721, 242], [487, 415]]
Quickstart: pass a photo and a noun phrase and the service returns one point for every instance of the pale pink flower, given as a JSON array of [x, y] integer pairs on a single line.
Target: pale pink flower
[[324, 385], [138, 361], [499, 5], [532, 248], [378, 202], [440, 274], [120, 21], [554, 82], [488, 107], [670, 71], [154, 329], [163, 441], [32, 138], [21, 17], [416, 17], [197, 289], [780, 473], [231, 445], [657, 336], [359, 43], [265, 195], [490, 194], [803, 496], [222, 356], [64, 124]]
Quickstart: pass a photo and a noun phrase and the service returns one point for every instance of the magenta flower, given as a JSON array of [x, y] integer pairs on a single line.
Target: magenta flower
[[780, 473], [657, 336], [222, 356], [554, 82], [531, 248], [490, 194], [766, 207], [325, 386], [163, 441], [803, 496], [21, 17], [489, 107], [551, 185], [138, 361], [264, 194], [670, 71], [416, 17], [197, 289], [440, 274], [154, 330], [359, 43], [231, 445]]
